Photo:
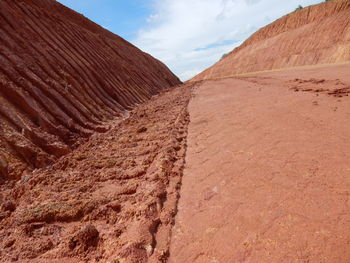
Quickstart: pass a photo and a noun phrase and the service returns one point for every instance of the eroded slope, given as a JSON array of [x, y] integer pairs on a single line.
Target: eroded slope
[[61, 78], [318, 34]]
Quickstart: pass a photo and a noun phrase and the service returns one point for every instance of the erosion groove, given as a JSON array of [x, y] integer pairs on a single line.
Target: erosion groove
[[318, 34], [61, 78]]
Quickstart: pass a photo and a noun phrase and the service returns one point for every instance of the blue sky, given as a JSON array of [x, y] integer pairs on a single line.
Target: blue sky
[[187, 35], [123, 17]]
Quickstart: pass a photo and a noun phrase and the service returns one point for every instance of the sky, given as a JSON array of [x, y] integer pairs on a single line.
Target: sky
[[187, 35]]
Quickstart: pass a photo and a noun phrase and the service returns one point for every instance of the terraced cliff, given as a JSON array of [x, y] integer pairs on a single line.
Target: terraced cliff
[[61, 77], [318, 34]]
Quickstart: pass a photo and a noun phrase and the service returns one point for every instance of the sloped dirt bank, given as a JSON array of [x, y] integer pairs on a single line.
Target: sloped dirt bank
[[318, 34], [113, 199], [61, 78]]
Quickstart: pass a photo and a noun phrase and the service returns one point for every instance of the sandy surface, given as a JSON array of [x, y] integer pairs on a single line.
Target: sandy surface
[[267, 176]]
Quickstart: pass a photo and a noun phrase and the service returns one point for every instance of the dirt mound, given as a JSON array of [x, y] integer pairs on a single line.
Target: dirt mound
[[61, 78], [318, 34]]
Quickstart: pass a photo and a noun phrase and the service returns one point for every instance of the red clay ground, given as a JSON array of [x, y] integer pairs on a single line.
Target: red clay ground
[[267, 179], [267, 175], [113, 199]]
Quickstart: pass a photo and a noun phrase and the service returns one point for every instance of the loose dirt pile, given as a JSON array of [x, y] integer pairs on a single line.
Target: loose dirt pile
[[113, 199], [61, 77], [335, 87]]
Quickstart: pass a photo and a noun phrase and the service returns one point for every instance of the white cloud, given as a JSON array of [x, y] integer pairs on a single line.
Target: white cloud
[[191, 35], [152, 18]]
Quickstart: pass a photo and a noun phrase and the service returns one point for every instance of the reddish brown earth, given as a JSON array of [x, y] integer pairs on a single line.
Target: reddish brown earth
[[318, 34], [113, 199], [267, 174], [94, 145], [61, 78]]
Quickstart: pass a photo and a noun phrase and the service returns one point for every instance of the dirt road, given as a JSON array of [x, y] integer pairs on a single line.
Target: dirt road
[[267, 176]]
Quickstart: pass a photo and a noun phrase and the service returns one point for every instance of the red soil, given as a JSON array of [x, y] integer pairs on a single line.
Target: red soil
[[96, 142], [61, 78], [113, 199], [267, 170], [318, 34]]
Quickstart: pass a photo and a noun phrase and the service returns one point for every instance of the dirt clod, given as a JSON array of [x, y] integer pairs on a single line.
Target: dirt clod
[[141, 130], [8, 206], [85, 238], [3, 167]]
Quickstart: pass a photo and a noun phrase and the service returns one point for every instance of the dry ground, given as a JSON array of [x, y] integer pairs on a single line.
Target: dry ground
[[111, 200], [267, 176]]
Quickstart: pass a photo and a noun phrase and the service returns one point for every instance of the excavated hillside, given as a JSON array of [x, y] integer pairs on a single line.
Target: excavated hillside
[[61, 78], [318, 34]]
